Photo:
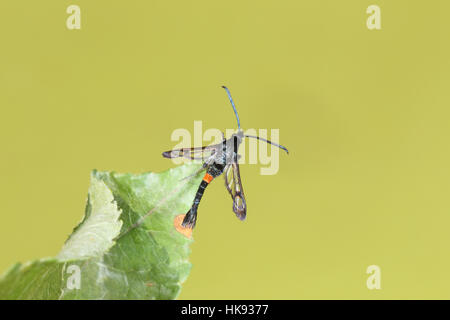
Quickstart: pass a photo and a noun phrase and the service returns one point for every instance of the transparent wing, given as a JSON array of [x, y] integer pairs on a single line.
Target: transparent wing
[[234, 187], [199, 153]]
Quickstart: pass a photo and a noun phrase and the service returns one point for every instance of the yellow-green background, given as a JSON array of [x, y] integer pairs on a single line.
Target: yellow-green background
[[364, 113]]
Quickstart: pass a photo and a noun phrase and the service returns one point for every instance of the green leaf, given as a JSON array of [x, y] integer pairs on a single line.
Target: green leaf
[[129, 244]]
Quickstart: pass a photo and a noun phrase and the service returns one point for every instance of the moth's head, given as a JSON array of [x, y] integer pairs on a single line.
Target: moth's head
[[239, 134], [238, 137], [235, 141]]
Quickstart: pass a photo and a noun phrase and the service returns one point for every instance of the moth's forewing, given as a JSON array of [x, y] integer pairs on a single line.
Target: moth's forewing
[[199, 153], [239, 204], [234, 186]]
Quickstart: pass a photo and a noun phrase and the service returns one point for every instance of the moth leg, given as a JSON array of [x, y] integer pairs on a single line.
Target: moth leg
[[205, 165]]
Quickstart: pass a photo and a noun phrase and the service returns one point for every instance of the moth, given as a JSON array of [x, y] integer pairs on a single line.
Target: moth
[[219, 158]]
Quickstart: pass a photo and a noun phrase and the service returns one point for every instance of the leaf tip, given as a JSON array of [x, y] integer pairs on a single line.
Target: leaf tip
[[187, 232]]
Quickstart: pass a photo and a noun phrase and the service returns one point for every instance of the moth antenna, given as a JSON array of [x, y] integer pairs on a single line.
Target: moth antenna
[[272, 143], [234, 107]]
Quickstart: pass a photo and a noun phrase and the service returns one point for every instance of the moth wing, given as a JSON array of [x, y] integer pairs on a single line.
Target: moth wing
[[199, 153], [234, 186]]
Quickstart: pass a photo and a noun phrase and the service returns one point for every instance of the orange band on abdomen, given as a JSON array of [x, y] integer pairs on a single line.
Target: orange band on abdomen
[[208, 178]]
